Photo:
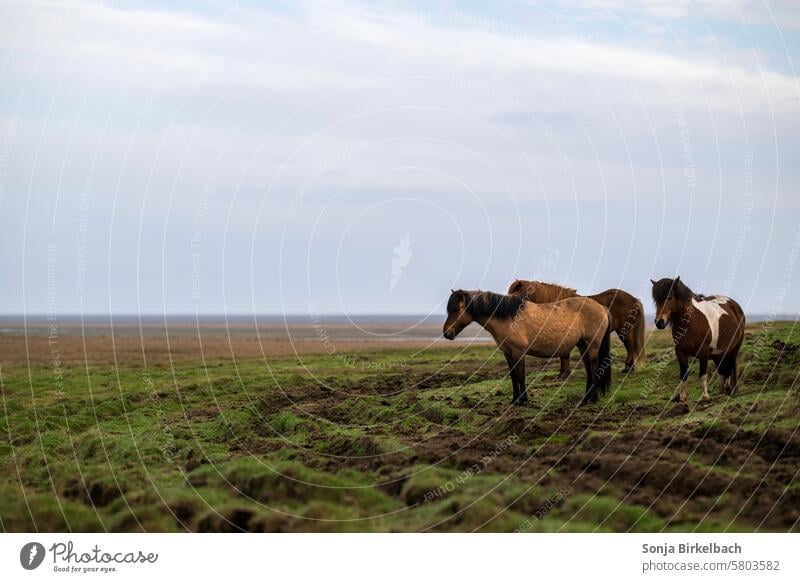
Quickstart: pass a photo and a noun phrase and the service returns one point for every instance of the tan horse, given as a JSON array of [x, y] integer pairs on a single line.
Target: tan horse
[[627, 315], [522, 328], [703, 327]]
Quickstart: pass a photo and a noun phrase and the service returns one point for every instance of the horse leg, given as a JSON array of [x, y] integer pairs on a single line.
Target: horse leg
[[522, 390], [725, 377], [590, 394], [594, 360], [565, 368], [588, 367], [716, 358], [630, 348], [727, 374], [724, 383], [704, 374], [683, 362], [734, 377], [513, 374]]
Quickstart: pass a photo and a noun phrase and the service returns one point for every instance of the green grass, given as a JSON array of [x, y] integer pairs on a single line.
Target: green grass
[[329, 446]]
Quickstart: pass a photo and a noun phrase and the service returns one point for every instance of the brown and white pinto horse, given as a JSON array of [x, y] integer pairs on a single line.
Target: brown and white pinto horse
[[627, 315], [703, 327], [523, 328]]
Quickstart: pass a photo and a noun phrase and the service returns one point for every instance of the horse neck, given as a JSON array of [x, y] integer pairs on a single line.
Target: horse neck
[[497, 327], [678, 316], [481, 319]]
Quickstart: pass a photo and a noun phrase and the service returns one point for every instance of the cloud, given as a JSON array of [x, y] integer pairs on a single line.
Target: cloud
[[264, 97], [354, 102], [781, 13]]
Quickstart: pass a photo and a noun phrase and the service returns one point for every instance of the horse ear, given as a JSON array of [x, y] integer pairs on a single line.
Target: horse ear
[[653, 282], [678, 278]]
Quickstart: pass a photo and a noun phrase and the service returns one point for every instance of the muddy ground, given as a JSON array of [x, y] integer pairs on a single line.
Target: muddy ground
[[379, 436]]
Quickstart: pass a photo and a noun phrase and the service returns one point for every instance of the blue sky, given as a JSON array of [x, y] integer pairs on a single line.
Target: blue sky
[[366, 158]]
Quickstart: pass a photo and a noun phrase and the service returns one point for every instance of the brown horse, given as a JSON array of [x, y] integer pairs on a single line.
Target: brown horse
[[522, 328], [627, 315], [703, 327]]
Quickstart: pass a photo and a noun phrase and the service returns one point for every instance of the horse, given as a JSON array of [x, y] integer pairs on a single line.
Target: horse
[[703, 327], [522, 328], [627, 315]]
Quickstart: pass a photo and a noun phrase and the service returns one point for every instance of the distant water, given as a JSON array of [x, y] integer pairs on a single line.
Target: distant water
[[292, 319], [295, 319], [370, 327]]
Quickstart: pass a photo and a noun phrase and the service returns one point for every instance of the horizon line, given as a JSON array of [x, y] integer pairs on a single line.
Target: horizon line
[[40, 315]]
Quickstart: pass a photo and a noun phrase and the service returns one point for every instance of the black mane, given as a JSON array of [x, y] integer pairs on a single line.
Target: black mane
[[663, 287], [486, 303]]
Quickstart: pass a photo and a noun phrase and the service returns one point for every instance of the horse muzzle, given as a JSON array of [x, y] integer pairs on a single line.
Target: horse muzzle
[[661, 323], [449, 334]]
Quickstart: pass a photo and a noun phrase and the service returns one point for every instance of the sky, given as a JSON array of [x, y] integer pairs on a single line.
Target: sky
[[365, 158]]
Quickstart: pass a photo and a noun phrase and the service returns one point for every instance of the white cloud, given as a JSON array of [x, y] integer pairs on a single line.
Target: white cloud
[[446, 103], [780, 13]]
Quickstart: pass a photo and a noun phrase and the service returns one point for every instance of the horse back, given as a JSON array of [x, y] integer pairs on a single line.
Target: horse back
[[553, 329], [621, 305], [540, 292], [731, 325], [592, 315], [714, 320]]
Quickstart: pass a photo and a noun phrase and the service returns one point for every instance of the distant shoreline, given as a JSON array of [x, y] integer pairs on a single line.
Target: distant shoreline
[[272, 319], [322, 330]]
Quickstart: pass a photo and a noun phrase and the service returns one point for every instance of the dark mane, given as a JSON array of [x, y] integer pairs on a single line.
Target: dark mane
[[518, 286], [486, 303], [663, 287]]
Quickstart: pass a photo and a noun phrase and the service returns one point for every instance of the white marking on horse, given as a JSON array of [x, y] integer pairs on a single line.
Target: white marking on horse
[[713, 310]]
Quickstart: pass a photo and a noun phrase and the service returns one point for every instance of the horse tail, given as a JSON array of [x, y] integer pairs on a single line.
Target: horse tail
[[603, 373], [639, 334]]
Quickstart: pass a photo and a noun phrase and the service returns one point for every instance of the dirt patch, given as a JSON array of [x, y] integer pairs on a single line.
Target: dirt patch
[[786, 353], [682, 474], [163, 345], [94, 493], [230, 521]]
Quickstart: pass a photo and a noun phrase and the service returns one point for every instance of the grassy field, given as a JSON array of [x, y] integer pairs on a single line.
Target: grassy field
[[387, 437]]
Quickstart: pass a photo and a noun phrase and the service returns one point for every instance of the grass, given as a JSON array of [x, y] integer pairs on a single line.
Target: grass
[[396, 440]]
